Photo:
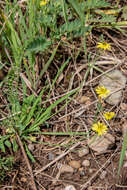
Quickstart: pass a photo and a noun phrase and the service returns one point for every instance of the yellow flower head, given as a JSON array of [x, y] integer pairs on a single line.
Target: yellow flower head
[[104, 45], [43, 2], [99, 128], [109, 115], [102, 91]]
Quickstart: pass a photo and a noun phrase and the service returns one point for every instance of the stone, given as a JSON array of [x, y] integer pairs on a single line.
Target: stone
[[84, 99], [75, 164], [82, 171], [83, 152], [66, 168], [51, 156], [58, 188], [126, 155], [125, 165], [101, 143], [91, 170], [123, 106], [86, 163], [70, 187], [113, 81], [90, 188]]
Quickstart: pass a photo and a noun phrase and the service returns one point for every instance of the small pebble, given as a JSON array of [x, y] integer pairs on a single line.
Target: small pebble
[[82, 173], [91, 170], [126, 155], [51, 156], [123, 106], [66, 168], [90, 188], [86, 163], [70, 187], [125, 165], [59, 165], [75, 164], [103, 174], [23, 179], [83, 152], [58, 188], [84, 99]]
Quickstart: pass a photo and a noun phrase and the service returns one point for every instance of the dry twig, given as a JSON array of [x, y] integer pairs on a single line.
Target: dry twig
[[58, 158], [27, 162], [94, 175]]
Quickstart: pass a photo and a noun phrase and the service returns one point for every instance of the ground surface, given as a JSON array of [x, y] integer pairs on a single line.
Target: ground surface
[[77, 116]]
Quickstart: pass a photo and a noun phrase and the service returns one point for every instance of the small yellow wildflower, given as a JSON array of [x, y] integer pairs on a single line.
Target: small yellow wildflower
[[104, 45], [102, 91], [109, 115], [100, 128], [43, 2]]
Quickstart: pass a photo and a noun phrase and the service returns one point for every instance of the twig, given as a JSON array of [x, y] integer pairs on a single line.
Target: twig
[[87, 83], [78, 110], [27, 162], [58, 158], [83, 108], [94, 175]]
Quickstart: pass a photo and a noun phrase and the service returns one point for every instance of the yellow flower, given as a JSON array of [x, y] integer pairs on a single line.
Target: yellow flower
[[104, 45], [100, 128], [102, 91], [43, 2], [109, 115]]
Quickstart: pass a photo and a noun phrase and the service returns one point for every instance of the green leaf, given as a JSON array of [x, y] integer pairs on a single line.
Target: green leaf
[[124, 15], [78, 9], [32, 110], [93, 4], [15, 145], [64, 6], [38, 44], [122, 155], [72, 26], [107, 18], [49, 61], [46, 115], [2, 146], [29, 154], [7, 143]]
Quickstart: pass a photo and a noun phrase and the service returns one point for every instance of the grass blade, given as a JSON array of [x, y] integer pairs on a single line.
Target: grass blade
[[122, 155]]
